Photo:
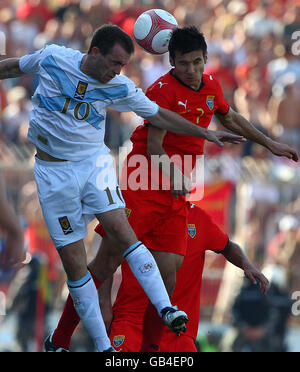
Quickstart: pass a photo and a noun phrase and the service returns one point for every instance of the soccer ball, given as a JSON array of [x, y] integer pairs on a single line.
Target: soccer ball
[[152, 30]]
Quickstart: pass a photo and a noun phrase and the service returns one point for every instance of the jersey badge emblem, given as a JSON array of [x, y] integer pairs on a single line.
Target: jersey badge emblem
[[81, 90], [210, 102], [118, 340], [65, 225], [192, 230], [161, 84], [128, 212]]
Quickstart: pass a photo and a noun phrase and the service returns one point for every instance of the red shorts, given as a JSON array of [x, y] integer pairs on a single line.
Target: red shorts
[[158, 221], [126, 337], [177, 344]]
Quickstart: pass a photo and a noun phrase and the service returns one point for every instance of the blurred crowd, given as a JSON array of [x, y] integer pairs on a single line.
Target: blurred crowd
[[253, 50]]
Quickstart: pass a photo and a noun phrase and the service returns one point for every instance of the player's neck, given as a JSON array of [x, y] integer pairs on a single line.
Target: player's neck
[[195, 87], [84, 65]]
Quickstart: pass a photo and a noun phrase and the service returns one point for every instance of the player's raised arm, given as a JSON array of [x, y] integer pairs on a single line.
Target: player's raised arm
[[168, 120], [234, 254], [236, 123], [9, 68], [179, 183]]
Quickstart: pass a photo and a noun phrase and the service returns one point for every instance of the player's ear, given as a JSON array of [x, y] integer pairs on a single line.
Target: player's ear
[[205, 58], [171, 61], [94, 51]]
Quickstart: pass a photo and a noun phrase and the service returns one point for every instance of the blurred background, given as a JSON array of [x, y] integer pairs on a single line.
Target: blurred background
[[254, 49]]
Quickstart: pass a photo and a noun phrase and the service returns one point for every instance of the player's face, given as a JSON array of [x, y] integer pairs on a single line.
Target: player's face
[[106, 67], [189, 67]]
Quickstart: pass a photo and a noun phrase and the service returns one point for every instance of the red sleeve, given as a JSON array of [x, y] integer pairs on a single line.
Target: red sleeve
[[222, 104], [160, 95], [214, 238], [100, 230]]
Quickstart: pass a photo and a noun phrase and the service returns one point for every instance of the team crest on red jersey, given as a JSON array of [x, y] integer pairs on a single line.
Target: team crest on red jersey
[[210, 102], [192, 230], [128, 212], [118, 340]]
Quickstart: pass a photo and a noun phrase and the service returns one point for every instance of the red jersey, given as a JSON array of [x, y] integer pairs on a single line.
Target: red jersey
[[131, 301], [197, 106]]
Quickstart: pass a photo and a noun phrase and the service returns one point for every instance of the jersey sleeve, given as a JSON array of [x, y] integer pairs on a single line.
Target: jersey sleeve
[[30, 63], [137, 102], [222, 104], [160, 96], [215, 239]]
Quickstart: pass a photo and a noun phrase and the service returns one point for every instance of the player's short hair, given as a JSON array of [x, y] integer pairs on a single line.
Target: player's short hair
[[186, 40], [106, 36]]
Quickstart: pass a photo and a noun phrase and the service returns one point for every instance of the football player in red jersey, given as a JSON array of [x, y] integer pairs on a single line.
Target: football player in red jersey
[[196, 96], [160, 214], [126, 329]]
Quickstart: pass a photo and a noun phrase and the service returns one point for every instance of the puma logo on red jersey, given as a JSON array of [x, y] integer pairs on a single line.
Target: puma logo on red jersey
[[161, 84], [182, 104]]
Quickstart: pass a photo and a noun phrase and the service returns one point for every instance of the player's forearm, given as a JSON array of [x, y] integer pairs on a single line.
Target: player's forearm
[[236, 123], [234, 254], [159, 156], [170, 121], [9, 68], [156, 151]]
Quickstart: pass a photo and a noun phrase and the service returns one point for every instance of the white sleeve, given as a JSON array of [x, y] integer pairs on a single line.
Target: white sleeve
[[30, 63], [136, 101]]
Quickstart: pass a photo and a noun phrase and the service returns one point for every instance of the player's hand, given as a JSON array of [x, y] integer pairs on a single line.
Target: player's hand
[[281, 149], [180, 184], [219, 137], [107, 315], [230, 137], [254, 275], [13, 254]]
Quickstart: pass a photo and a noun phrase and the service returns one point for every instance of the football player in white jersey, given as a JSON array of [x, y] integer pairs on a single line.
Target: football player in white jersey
[[73, 168]]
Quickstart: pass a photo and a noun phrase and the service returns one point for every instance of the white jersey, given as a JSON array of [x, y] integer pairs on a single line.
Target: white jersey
[[69, 107]]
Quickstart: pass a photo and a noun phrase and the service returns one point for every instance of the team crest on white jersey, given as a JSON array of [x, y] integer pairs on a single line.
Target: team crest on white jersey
[[81, 90]]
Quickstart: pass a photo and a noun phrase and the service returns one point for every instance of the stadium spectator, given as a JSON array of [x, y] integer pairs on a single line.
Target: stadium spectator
[[12, 240]]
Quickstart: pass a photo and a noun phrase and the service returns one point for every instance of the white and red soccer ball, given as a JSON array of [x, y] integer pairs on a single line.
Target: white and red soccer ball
[[153, 29]]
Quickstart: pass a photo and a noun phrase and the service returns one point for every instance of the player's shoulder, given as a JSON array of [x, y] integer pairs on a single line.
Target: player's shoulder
[[198, 213], [164, 82], [211, 81], [122, 79], [126, 83], [59, 51]]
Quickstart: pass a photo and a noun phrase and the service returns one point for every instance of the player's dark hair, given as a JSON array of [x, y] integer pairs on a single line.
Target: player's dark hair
[[107, 36], [186, 40]]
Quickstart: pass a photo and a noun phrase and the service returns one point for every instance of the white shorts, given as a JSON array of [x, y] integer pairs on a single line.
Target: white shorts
[[71, 193]]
